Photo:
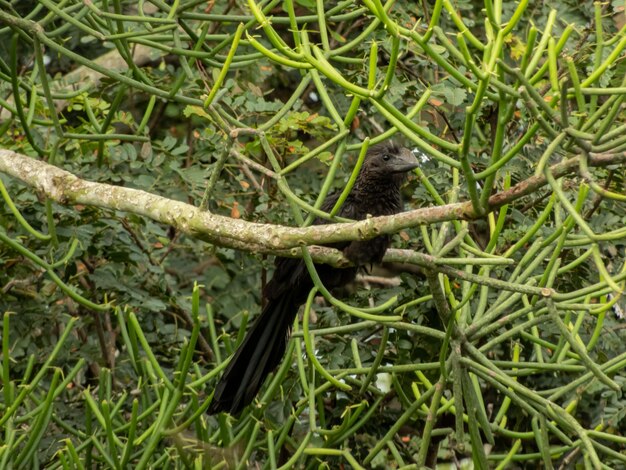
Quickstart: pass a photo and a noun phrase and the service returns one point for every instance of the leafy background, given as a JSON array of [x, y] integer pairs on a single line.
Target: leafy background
[[127, 386]]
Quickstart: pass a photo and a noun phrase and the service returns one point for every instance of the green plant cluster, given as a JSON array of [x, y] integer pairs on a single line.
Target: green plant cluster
[[501, 347]]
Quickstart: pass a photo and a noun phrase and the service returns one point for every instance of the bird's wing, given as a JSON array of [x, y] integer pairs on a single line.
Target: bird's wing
[[349, 209]]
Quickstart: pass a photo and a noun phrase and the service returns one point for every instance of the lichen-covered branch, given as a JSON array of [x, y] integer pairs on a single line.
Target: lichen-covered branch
[[66, 188]]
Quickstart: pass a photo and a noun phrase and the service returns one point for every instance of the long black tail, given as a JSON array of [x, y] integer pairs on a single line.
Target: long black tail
[[260, 352]]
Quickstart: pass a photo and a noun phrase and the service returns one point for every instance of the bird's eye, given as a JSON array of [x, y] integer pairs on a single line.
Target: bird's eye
[[386, 157]]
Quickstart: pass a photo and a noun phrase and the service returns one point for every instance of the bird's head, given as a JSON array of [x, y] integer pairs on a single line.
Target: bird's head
[[388, 161]]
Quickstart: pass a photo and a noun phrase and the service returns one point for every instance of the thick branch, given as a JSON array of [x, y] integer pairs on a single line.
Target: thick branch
[[66, 188]]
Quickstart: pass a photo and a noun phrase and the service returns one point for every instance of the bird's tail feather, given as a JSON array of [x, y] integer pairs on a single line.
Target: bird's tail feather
[[259, 353]]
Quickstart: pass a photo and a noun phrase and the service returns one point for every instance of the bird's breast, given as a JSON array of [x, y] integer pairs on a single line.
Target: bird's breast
[[385, 204]]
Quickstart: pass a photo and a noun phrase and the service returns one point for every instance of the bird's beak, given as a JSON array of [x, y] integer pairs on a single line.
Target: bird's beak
[[405, 161]]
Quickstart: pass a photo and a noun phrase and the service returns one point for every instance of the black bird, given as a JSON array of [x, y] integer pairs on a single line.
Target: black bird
[[376, 192]]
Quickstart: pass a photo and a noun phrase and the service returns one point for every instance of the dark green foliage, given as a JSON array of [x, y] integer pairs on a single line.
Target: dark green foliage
[[119, 373]]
